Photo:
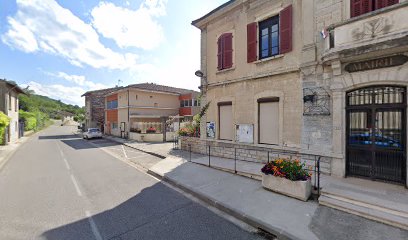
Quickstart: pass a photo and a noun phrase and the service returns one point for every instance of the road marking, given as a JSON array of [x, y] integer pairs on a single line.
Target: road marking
[[66, 163], [94, 228], [76, 185], [124, 152]]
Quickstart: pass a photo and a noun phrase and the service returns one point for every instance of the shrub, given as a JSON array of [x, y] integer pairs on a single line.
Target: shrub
[[292, 170], [4, 122], [136, 130]]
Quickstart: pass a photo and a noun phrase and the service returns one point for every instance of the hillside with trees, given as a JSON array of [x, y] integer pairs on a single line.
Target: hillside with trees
[[37, 110]]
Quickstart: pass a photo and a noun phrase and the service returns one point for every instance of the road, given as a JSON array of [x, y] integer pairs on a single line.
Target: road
[[59, 186]]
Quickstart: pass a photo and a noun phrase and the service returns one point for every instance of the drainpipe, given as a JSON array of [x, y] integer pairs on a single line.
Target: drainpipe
[[128, 97]]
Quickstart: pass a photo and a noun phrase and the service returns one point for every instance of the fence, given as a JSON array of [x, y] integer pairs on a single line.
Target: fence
[[249, 161]]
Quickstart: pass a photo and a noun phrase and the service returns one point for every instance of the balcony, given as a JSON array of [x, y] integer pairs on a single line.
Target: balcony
[[383, 31]]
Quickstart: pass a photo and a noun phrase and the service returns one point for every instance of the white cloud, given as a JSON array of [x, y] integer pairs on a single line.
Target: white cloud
[[43, 25], [130, 28], [78, 80], [66, 94]]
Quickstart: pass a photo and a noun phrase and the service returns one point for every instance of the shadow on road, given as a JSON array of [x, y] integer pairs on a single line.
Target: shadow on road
[[56, 137], [157, 212]]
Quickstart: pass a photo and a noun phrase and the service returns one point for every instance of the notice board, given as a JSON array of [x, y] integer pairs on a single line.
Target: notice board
[[244, 133]]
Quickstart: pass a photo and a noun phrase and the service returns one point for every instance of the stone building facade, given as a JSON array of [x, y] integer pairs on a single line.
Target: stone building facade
[[95, 107], [9, 105], [342, 52]]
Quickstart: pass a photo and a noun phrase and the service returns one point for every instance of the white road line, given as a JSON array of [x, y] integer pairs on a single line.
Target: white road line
[[124, 152], [76, 185], [94, 228], [66, 163]]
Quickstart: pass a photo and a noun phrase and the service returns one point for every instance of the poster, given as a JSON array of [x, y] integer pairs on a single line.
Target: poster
[[210, 129], [244, 133]]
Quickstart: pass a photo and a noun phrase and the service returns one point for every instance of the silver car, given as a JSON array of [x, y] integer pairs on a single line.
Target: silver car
[[92, 133]]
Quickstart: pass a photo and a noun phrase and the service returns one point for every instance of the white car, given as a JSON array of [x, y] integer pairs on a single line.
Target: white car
[[92, 133]]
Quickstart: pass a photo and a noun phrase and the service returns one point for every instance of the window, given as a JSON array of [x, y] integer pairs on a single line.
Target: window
[[114, 125], [224, 51], [268, 120], [225, 119], [360, 7], [16, 104], [112, 104], [181, 103], [274, 34], [269, 37]]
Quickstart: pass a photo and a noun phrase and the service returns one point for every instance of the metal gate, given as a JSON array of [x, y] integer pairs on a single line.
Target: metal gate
[[375, 133]]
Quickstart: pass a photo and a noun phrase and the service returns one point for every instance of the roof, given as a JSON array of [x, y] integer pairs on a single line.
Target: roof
[[212, 12], [161, 88], [101, 90], [13, 85]]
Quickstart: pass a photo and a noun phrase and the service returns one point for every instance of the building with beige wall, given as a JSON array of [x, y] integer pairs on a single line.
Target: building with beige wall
[[139, 106], [307, 88], [9, 105], [260, 83]]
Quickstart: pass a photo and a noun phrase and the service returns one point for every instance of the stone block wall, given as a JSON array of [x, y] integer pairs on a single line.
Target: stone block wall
[[249, 153]]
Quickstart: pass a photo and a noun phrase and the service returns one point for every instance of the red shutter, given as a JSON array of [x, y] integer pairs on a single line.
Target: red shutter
[[252, 44], [220, 55], [359, 7], [285, 30], [384, 3], [227, 61]]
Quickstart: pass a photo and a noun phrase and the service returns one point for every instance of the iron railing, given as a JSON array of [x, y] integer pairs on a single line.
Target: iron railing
[[240, 156]]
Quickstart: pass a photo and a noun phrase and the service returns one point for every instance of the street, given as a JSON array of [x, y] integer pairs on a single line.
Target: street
[[59, 186]]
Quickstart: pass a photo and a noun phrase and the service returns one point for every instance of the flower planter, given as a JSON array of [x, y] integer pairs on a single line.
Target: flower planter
[[296, 189]]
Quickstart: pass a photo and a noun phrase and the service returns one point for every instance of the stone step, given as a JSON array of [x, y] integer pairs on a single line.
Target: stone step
[[391, 201], [373, 212]]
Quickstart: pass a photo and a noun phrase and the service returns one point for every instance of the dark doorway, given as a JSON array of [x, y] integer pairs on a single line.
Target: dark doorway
[[376, 132]]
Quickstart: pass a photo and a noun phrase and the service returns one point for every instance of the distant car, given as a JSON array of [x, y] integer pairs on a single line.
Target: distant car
[[92, 133]]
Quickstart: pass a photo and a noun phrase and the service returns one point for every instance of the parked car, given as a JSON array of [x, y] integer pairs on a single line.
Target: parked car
[[380, 140], [92, 133]]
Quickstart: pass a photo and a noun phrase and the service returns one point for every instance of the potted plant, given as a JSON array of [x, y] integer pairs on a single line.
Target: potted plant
[[151, 130], [288, 177]]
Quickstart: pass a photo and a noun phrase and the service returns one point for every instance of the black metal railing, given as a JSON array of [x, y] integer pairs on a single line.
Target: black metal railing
[[240, 156]]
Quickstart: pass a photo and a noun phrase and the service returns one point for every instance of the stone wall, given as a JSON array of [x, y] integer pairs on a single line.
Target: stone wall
[[249, 153]]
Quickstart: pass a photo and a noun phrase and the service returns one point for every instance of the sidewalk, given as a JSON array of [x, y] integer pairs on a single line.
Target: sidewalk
[[161, 150], [7, 151], [245, 199]]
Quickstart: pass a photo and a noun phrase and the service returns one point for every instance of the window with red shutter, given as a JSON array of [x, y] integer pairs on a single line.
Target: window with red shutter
[[359, 7], [384, 3], [225, 51], [285, 30], [252, 42]]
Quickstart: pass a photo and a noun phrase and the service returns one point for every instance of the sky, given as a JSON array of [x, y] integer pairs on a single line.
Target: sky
[[63, 48]]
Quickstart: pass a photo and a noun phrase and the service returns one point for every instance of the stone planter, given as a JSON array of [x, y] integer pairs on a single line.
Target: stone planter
[[296, 189]]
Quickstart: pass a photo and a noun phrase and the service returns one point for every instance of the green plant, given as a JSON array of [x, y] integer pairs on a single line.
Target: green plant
[[286, 168], [4, 122]]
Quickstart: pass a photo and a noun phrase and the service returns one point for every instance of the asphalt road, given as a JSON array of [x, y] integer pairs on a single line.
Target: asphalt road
[[59, 186]]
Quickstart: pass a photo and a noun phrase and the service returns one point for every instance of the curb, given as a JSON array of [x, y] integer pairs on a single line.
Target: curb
[[256, 223]]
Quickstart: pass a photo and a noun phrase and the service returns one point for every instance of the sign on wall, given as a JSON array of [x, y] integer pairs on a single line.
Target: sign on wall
[[376, 63], [244, 133], [210, 129]]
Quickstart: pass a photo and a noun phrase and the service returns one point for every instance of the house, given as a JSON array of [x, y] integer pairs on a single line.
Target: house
[[320, 77], [137, 107], [95, 107], [9, 92], [251, 55]]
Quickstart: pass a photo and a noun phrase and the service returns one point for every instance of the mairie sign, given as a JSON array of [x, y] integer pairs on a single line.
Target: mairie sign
[[384, 62]]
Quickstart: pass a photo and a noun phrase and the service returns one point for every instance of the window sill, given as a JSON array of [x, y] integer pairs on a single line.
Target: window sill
[[225, 70], [269, 59]]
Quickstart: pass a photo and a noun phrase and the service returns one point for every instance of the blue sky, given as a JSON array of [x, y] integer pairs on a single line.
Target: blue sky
[[62, 48]]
